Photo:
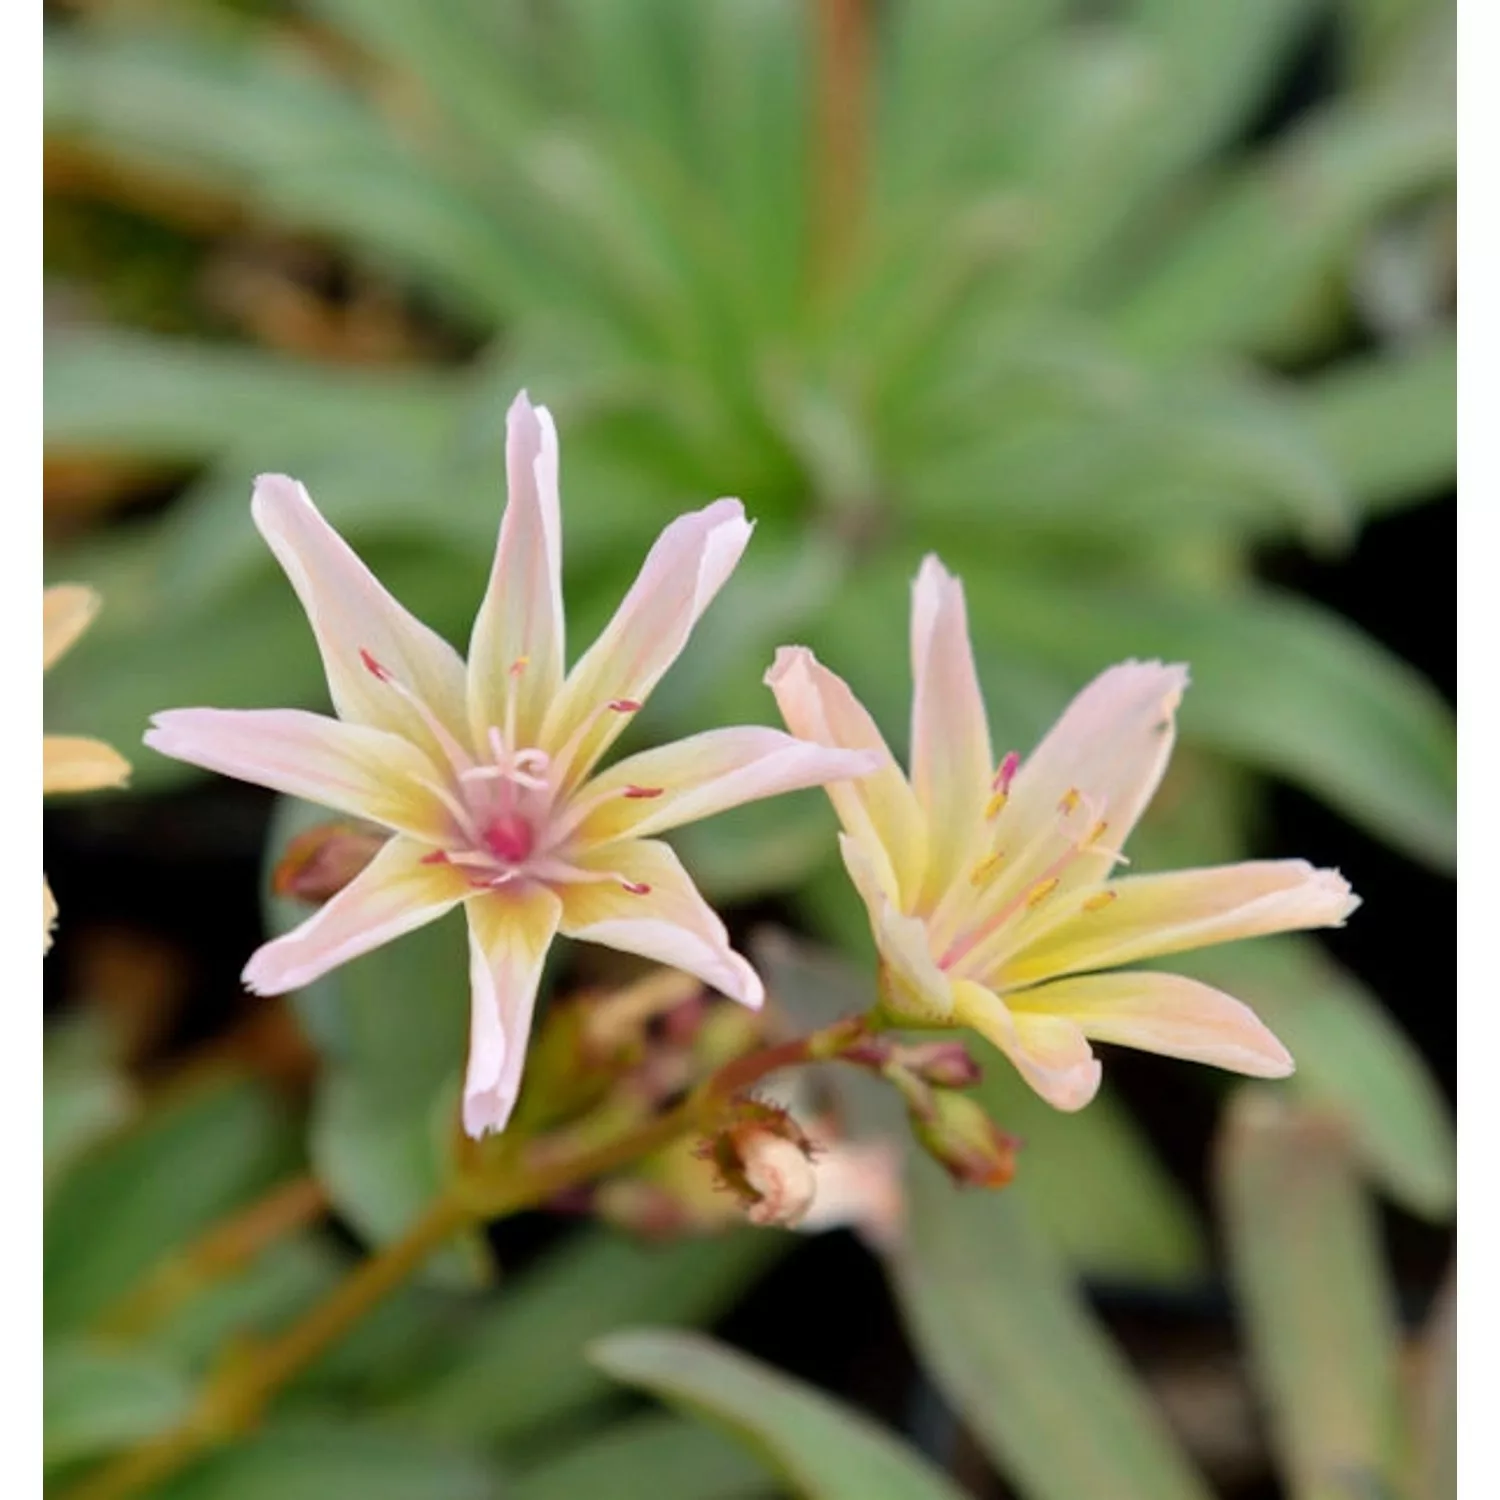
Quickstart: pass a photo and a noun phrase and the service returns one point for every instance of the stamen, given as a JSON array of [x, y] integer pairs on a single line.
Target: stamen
[[635, 887], [993, 807], [436, 857], [458, 757], [1041, 890], [643, 791], [986, 867], [1099, 900], [1007, 771], [461, 814], [1069, 801], [624, 705], [519, 665]]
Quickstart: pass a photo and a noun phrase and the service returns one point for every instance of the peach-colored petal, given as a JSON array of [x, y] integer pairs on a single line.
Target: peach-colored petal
[[349, 767], [354, 618], [663, 918], [516, 651], [1145, 916], [858, 1187], [681, 574], [1110, 747], [1163, 1013], [71, 763], [49, 914], [951, 759], [923, 992], [705, 774], [510, 932], [1050, 1052], [395, 893], [879, 810], [67, 609]]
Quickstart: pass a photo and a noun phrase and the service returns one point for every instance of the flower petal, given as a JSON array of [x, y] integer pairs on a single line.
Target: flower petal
[[510, 932], [951, 759], [705, 774], [1050, 1052], [922, 991], [394, 894], [1145, 916], [67, 609], [350, 767], [859, 1187], [74, 764], [668, 921], [1163, 1013], [682, 573], [1110, 746], [354, 618], [49, 914], [879, 810], [521, 618]]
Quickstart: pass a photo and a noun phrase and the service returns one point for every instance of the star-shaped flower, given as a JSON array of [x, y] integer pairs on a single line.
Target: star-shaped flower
[[485, 773], [71, 763], [991, 890]]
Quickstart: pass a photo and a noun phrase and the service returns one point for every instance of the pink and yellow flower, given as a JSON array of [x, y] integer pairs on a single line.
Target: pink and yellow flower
[[991, 889], [71, 763], [486, 772]]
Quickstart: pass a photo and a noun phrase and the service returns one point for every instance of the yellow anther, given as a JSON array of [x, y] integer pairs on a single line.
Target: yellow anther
[[519, 665], [1069, 800], [985, 868], [993, 806], [1041, 890], [1099, 900]]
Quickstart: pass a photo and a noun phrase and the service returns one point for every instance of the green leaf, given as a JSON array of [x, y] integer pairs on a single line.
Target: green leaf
[[1435, 1401], [85, 1096], [1351, 1057], [147, 1192], [1304, 1248], [652, 1457], [1388, 423], [522, 1363], [325, 1459], [1261, 247], [96, 1398], [823, 1449], [998, 1323], [1277, 683]]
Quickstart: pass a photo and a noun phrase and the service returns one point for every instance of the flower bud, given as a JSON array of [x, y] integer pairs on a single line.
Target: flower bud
[[321, 861], [945, 1065], [765, 1158], [972, 1149]]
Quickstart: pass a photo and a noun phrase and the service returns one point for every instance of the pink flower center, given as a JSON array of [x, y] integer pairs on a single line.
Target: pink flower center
[[509, 836]]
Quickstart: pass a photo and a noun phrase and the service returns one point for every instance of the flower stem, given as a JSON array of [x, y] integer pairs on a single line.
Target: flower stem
[[238, 1393]]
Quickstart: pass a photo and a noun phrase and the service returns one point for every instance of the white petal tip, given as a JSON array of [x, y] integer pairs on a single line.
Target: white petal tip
[[486, 1112], [1076, 1088], [788, 660]]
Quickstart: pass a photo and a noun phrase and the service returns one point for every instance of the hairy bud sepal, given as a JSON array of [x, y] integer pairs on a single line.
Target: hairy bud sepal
[[765, 1158]]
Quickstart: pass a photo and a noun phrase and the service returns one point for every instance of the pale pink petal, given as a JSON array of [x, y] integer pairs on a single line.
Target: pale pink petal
[[667, 921], [682, 573], [859, 1187], [349, 767], [1050, 1052], [67, 609], [879, 810], [1110, 749], [1162, 1013], [516, 651], [951, 760], [510, 932], [357, 622], [923, 990], [395, 893], [1145, 916], [71, 763], [705, 774]]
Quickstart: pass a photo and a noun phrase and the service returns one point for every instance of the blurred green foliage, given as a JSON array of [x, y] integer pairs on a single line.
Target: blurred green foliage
[[1066, 305]]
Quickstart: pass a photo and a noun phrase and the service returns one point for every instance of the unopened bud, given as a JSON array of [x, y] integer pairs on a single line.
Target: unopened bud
[[972, 1149], [321, 861], [945, 1065], [765, 1158]]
